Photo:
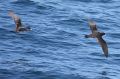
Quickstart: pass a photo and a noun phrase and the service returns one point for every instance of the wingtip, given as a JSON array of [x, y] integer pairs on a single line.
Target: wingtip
[[91, 22], [106, 55], [10, 12]]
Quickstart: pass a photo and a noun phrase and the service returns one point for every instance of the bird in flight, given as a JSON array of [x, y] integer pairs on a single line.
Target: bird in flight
[[98, 35], [18, 23]]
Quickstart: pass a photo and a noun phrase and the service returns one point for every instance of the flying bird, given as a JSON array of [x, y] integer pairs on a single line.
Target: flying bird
[[18, 23], [98, 35]]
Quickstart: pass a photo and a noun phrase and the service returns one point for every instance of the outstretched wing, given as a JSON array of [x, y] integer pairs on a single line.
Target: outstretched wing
[[92, 26], [103, 45], [15, 17]]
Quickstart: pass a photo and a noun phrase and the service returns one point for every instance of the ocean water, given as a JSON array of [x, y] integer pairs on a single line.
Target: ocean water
[[56, 47]]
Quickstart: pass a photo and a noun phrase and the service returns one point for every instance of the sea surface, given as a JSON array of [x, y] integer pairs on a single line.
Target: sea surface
[[56, 48]]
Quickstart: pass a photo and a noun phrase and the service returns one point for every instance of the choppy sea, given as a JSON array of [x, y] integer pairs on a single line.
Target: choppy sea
[[56, 47]]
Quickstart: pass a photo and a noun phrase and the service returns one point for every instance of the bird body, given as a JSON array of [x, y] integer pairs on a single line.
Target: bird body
[[98, 35], [18, 22], [95, 34]]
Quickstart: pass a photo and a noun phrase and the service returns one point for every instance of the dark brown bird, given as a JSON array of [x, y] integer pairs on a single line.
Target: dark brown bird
[[98, 35], [18, 23]]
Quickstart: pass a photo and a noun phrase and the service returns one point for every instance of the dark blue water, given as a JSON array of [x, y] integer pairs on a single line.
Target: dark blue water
[[56, 47]]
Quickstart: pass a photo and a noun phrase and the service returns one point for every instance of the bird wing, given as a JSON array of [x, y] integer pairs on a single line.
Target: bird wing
[[14, 16], [103, 45], [92, 26]]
